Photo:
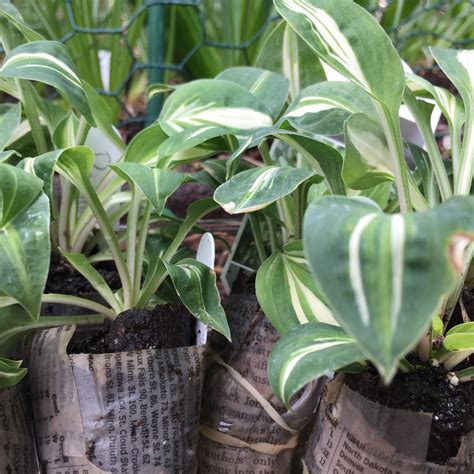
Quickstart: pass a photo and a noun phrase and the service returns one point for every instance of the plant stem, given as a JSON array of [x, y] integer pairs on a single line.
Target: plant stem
[[297, 213], [82, 132], [63, 219], [141, 251], [132, 229], [464, 181], [394, 142], [272, 232], [258, 238], [424, 347], [77, 301]]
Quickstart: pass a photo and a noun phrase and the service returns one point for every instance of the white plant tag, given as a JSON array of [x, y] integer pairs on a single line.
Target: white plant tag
[[206, 253]]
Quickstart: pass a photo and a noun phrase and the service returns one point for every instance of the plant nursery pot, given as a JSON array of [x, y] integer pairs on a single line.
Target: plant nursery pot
[[129, 411], [17, 441], [244, 429], [354, 434]]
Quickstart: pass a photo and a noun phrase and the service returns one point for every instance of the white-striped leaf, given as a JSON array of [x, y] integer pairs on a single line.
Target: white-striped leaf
[[11, 372], [270, 88], [157, 184], [350, 40], [48, 62], [324, 107], [287, 291], [284, 52], [385, 276], [460, 337], [255, 189], [307, 352], [10, 117], [195, 284], [213, 102], [24, 238]]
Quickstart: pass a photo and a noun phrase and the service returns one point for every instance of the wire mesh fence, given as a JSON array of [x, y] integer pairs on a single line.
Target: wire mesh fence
[[121, 46]]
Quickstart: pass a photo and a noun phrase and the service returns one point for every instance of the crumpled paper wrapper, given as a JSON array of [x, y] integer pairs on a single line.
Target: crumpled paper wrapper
[[17, 442], [238, 435], [127, 412], [353, 434]]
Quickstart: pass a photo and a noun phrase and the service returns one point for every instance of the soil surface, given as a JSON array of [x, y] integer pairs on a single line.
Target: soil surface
[[64, 279], [426, 390], [137, 329]]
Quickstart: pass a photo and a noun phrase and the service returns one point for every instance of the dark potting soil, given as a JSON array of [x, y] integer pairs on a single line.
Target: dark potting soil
[[427, 390], [137, 329], [64, 279]]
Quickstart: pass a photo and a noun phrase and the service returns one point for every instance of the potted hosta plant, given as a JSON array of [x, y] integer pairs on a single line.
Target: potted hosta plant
[[389, 279]]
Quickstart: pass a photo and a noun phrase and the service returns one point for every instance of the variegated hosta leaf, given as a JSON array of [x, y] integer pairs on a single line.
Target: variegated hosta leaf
[[307, 352], [287, 291], [195, 284], [24, 238], [157, 184], [284, 52], [385, 276], [255, 189], [48, 62], [350, 40], [323, 108], [367, 161], [213, 102], [10, 116], [270, 88], [460, 337]]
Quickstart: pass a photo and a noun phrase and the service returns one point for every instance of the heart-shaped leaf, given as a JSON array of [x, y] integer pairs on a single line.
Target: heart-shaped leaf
[[255, 189], [385, 276], [287, 291], [307, 352]]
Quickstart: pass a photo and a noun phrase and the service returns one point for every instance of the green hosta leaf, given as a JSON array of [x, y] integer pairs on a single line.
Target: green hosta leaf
[[367, 161], [287, 291], [307, 352], [76, 166], [195, 284], [18, 190], [80, 263], [10, 117], [270, 88], [323, 108], [284, 52], [351, 41], [143, 147], [385, 276], [213, 102], [157, 184], [48, 62], [11, 372], [25, 246], [460, 337], [255, 189], [458, 66], [65, 132], [9, 157]]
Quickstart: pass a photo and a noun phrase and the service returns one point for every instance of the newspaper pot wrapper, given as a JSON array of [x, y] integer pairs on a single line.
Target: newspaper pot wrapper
[[354, 434], [244, 429], [17, 442], [127, 412]]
